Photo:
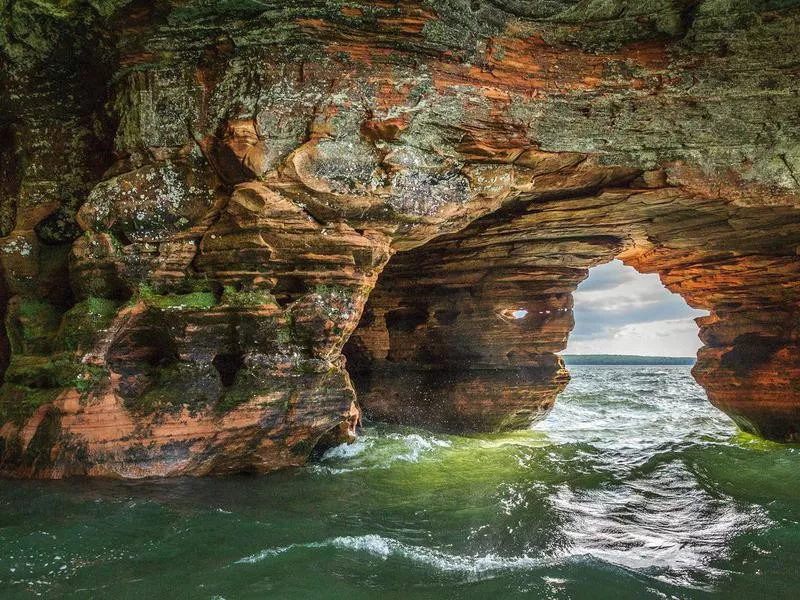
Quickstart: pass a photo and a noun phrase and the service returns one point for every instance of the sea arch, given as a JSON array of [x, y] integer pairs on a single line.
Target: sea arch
[[462, 334], [241, 175]]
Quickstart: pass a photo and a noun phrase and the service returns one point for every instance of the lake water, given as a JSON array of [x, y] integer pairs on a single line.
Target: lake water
[[634, 487]]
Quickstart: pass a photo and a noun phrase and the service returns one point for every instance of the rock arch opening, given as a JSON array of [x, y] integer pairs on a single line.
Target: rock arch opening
[[619, 311], [507, 281]]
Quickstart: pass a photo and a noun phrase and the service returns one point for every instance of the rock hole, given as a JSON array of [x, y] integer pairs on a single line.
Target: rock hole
[[288, 289], [228, 365], [406, 319], [145, 339], [144, 342], [619, 311]]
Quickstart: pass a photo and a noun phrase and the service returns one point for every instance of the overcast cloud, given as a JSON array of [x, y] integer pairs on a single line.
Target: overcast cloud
[[621, 311]]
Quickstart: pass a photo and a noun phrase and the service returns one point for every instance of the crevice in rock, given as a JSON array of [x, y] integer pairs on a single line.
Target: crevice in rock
[[749, 352], [141, 349]]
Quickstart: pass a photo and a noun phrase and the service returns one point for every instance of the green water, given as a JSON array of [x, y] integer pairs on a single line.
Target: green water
[[633, 488]]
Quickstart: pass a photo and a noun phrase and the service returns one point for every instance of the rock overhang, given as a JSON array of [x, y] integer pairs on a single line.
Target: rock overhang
[[185, 311]]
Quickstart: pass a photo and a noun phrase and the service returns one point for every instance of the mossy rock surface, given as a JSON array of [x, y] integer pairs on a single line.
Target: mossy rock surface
[[84, 322], [247, 298], [190, 301], [31, 325], [56, 372], [18, 403], [176, 386], [39, 452]]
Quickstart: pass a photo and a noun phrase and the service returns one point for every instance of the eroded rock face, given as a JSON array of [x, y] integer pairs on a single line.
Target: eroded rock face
[[486, 303], [197, 200]]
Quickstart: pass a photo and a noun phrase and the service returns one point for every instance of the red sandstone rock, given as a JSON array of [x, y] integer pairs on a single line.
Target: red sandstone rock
[[181, 275]]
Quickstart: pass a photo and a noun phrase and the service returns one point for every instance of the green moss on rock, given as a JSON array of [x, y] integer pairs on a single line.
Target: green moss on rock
[[175, 386], [159, 399], [190, 301], [247, 299], [39, 451], [36, 373], [27, 27], [31, 325], [302, 448], [18, 403], [83, 323]]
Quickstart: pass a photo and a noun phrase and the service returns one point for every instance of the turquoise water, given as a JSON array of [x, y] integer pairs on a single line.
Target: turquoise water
[[633, 488]]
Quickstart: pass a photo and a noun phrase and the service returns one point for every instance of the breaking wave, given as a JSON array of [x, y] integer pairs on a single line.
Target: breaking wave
[[385, 547]]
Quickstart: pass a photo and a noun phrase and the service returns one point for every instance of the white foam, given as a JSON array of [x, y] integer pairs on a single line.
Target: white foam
[[345, 451], [270, 552], [370, 452], [417, 446], [386, 547]]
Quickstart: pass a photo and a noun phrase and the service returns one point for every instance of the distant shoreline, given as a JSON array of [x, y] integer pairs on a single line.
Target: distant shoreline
[[626, 359]]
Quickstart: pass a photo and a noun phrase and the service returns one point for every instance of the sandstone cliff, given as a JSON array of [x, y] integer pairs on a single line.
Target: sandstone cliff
[[202, 203]]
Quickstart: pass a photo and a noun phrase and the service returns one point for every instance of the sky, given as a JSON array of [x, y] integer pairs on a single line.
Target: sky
[[621, 311]]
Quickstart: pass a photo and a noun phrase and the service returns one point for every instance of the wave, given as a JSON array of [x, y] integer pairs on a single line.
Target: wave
[[378, 451], [417, 446], [478, 566], [386, 547]]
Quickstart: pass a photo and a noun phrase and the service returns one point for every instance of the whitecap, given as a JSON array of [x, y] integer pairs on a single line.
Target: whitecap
[[270, 552], [373, 452], [345, 451], [417, 446], [385, 547]]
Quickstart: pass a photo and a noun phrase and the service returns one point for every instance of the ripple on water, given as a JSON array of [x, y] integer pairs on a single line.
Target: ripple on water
[[634, 486], [662, 523]]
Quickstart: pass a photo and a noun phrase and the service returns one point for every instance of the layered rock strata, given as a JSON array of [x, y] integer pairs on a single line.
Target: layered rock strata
[[462, 334], [197, 200]]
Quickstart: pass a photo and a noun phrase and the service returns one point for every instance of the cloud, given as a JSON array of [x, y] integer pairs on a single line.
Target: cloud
[[609, 276], [620, 311]]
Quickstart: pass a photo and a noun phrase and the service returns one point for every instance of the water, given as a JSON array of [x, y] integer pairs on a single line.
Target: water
[[634, 487]]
